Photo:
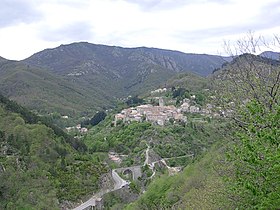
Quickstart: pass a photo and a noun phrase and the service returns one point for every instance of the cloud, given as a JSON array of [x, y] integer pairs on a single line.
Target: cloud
[[156, 5], [76, 31], [17, 11], [190, 26], [268, 16]]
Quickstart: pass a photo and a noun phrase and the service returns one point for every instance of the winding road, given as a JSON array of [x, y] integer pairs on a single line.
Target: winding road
[[88, 203], [147, 156], [119, 183]]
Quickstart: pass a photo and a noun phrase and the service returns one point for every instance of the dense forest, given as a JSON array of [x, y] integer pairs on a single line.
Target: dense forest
[[40, 165]]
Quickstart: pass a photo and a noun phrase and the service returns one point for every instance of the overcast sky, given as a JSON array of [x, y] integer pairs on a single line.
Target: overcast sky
[[195, 26]]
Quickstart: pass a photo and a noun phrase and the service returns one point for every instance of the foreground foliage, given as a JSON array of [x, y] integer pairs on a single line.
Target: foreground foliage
[[256, 183], [249, 90]]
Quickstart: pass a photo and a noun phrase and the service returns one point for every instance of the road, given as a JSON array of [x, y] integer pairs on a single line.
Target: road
[[90, 202], [147, 156], [119, 182]]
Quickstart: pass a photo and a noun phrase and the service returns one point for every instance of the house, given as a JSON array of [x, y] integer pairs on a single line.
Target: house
[[185, 106], [83, 130], [194, 109]]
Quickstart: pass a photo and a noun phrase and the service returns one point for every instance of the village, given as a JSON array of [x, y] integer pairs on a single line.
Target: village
[[161, 114]]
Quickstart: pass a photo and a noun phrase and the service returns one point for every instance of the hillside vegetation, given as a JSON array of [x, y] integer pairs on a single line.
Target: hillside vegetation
[[40, 166], [167, 142], [249, 87], [44, 92]]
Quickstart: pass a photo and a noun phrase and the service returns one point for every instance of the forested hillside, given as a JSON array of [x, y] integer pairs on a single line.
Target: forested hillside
[[200, 186], [41, 167], [44, 92]]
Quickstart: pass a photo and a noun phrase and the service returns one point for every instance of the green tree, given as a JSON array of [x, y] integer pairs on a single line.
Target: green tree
[[248, 89], [97, 118], [256, 183]]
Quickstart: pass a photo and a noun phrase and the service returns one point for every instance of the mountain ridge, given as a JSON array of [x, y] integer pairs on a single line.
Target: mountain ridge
[[83, 77], [89, 51], [86, 77]]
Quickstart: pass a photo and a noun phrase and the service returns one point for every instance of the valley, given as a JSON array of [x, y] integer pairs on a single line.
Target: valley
[[94, 126]]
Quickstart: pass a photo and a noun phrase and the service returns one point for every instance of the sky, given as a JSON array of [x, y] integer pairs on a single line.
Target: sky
[[191, 26]]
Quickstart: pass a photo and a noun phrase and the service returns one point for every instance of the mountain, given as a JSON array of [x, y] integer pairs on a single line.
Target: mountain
[[271, 55], [80, 78], [2, 59], [83, 56], [127, 70]]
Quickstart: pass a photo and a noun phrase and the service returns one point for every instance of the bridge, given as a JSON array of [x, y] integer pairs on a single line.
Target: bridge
[[135, 171]]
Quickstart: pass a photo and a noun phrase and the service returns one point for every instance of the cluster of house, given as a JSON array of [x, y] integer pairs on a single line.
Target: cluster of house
[[187, 107], [77, 128], [154, 114], [161, 114]]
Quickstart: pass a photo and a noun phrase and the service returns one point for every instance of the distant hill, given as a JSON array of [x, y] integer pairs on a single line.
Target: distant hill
[[239, 62], [2, 59], [188, 81], [248, 77], [271, 55]]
